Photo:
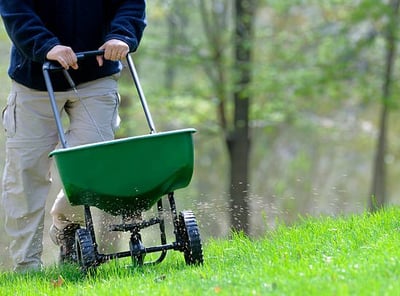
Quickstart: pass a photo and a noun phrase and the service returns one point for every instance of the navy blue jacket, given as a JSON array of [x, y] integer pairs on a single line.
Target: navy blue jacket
[[36, 26]]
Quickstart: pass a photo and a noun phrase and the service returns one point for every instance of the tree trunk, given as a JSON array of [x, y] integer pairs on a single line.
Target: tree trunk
[[238, 141], [176, 21], [377, 197], [170, 72]]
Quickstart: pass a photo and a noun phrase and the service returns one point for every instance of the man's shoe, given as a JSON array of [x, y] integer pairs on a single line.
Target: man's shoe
[[66, 240]]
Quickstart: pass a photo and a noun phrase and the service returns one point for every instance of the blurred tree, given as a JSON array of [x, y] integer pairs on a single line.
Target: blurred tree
[[177, 20], [378, 188], [233, 88], [238, 138]]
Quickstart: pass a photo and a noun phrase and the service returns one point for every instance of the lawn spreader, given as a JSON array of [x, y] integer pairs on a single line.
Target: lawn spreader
[[126, 177]]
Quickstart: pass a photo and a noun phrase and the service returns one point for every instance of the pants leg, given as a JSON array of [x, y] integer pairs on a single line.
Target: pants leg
[[31, 135], [93, 118]]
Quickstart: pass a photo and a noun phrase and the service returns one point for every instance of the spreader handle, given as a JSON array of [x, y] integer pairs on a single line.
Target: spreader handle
[[140, 92], [55, 66], [93, 53], [52, 66]]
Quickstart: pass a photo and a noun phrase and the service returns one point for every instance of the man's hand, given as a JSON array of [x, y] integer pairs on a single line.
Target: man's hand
[[114, 50], [64, 55]]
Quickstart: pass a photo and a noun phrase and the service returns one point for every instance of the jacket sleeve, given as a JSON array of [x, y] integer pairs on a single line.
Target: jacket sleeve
[[128, 22], [26, 30]]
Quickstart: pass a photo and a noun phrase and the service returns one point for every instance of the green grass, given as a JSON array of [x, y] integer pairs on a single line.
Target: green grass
[[357, 255]]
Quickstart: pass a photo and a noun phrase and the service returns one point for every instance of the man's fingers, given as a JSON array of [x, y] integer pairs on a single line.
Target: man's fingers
[[63, 63], [64, 55], [115, 50], [99, 60]]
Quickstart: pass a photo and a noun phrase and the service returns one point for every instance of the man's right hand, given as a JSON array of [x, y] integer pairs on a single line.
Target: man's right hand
[[64, 55]]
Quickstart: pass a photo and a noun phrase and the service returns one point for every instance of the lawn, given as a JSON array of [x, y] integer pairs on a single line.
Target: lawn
[[356, 255]]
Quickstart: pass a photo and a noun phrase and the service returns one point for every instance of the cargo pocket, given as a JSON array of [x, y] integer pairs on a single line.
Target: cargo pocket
[[8, 116], [116, 120]]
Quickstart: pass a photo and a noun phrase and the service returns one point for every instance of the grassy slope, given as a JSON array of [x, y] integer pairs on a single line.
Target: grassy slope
[[328, 256]]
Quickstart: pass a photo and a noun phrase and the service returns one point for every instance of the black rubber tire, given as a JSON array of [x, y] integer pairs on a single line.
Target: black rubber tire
[[85, 252], [190, 235]]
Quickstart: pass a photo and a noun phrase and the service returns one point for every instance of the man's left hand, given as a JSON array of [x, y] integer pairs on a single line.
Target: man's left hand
[[114, 50]]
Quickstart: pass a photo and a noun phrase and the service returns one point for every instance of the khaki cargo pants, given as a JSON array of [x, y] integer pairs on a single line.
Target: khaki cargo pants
[[31, 135]]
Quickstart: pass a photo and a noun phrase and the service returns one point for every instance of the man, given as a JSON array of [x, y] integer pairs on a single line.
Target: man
[[43, 30]]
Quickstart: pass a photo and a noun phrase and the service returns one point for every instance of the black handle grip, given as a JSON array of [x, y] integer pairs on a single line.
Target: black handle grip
[[85, 54], [55, 66]]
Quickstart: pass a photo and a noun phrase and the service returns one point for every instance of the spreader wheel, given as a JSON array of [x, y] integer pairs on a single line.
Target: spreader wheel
[[85, 250], [189, 233]]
